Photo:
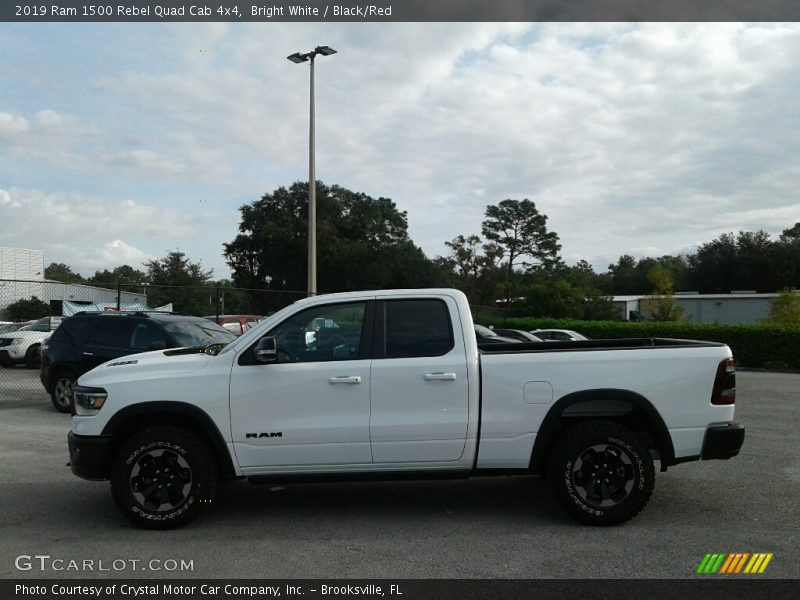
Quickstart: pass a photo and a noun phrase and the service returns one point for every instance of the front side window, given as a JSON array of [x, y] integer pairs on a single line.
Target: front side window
[[321, 333], [417, 328]]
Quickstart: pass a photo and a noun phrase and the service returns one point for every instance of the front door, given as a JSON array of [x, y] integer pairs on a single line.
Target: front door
[[311, 407]]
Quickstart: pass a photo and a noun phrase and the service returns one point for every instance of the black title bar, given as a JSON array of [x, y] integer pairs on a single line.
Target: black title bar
[[708, 588], [399, 10]]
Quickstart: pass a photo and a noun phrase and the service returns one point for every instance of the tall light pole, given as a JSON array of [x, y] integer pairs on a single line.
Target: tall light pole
[[298, 58]]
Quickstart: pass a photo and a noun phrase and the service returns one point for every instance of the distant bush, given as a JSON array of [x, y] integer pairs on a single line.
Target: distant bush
[[784, 309], [756, 346], [28, 309]]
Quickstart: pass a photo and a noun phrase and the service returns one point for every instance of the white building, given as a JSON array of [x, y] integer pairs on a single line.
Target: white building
[[21, 263], [731, 309], [22, 277]]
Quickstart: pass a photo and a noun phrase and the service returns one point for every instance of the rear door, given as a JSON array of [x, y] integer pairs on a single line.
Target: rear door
[[111, 339], [420, 399]]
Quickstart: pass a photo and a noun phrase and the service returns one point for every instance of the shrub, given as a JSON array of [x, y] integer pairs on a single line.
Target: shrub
[[756, 346], [28, 309]]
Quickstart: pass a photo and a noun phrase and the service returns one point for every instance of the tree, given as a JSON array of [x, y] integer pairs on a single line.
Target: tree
[[629, 276], [520, 231], [566, 292], [791, 235], [124, 275], [476, 267], [662, 305], [362, 243], [596, 305], [63, 273], [28, 309], [788, 256], [623, 278], [747, 260], [185, 284], [784, 309]]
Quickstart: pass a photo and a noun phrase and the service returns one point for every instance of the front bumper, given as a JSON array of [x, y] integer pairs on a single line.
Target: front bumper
[[88, 455], [723, 441]]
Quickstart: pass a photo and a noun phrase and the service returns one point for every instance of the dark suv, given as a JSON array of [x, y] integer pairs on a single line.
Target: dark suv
[[87, 340]]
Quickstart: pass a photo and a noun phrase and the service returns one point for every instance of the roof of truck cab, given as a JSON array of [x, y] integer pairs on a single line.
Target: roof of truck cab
[[382, 294]]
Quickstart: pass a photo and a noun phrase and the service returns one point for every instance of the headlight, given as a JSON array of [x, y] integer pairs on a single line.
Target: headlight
[[16, 342], [88, 400]]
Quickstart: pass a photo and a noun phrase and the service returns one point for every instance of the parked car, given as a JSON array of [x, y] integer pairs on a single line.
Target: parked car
[[24, 344], [517, 334], [558, 335], [405, 392], [485, 335], [8, 327], [236, 324], [87, 340]]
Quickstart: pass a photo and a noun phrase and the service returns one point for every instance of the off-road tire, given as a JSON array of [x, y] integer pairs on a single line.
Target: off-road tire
[[601, 472], [61, 394], [162, 477]]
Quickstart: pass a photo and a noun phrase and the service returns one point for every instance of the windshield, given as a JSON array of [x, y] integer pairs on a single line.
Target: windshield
[[40, 325], [198, 333]]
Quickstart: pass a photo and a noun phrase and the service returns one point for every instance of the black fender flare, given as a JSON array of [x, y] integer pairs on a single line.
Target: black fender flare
[[548, 429], [189, 413]]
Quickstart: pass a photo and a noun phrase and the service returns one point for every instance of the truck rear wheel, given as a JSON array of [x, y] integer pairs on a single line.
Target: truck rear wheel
[[601, 473], [163, 477]]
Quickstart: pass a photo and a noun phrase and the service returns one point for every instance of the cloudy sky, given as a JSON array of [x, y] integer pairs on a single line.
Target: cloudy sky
[[120, 142]]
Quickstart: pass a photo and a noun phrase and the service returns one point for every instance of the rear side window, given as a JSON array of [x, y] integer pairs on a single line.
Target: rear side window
[[417, 328], [113, 333], [75, 328]]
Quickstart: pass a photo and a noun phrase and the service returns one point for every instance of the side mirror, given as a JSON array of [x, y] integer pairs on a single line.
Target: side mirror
[[266, 350], [159, 345]]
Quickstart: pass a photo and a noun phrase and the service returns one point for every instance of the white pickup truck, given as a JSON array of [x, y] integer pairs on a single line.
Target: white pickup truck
[[392, 384]]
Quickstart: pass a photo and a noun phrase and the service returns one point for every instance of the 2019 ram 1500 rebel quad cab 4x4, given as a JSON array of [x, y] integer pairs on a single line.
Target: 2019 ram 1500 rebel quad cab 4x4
[[394, 384]]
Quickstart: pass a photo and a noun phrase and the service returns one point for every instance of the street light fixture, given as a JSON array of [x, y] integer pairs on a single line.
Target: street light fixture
[[298, 58]]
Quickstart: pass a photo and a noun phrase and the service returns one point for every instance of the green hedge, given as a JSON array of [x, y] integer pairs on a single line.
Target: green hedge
[[755, 346]]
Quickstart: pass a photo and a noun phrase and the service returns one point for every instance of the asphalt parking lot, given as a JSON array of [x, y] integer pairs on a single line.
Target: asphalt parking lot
[[480, 528]]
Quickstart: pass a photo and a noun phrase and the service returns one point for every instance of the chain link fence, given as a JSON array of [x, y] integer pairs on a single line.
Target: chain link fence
[[30, 310]]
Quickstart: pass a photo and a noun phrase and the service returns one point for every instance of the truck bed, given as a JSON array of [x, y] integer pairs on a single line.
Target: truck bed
[[521, 382], [611, 344]]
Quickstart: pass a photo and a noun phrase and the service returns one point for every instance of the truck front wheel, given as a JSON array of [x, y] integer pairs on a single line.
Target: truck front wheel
[[162, 477], [601, 473]]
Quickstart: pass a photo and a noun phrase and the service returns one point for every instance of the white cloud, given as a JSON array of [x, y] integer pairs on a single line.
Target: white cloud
[[118, 252], [12, 126], [629, 136], [90, 233]]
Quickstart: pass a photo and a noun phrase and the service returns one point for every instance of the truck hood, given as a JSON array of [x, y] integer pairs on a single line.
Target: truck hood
[[147, 365]]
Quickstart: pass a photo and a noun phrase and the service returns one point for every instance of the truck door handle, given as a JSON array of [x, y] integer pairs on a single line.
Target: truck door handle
[[345, 379], [88, 353], [440, 376]]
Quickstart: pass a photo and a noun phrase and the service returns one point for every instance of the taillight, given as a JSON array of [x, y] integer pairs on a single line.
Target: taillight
[[725, 383]]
